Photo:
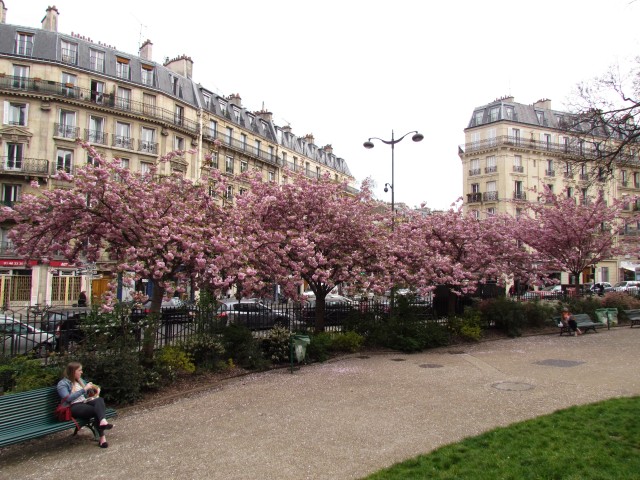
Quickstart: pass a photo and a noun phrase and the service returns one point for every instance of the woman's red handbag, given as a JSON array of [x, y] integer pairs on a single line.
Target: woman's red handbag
[[62, 413]]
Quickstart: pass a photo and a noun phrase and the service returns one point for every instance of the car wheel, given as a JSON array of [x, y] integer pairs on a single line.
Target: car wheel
[[43, 350]]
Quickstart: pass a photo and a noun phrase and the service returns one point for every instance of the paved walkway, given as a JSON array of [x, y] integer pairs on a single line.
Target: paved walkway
[[346, 418]]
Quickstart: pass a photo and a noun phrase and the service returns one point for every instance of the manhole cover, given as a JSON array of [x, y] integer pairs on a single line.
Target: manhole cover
[[430, 365], [512, 386], [397, 359], [364, 357], [559, 363]]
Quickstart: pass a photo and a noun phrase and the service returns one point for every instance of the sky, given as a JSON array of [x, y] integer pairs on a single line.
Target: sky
[[346, 71]]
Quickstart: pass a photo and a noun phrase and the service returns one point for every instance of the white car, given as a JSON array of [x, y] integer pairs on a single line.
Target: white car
[[627, 286], [19, 338]]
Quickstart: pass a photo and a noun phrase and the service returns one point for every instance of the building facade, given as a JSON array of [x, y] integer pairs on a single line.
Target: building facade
[[59, 88], [512, 150]]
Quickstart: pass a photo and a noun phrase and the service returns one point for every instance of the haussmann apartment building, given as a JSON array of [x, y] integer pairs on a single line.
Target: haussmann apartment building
[[57, 88]]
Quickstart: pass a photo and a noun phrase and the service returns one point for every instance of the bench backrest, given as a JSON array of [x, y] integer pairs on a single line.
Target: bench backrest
[[35, 405], [582, 318]]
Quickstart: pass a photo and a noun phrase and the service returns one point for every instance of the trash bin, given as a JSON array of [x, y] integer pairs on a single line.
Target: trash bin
[[299, 346], [602, 315], [613, 316]]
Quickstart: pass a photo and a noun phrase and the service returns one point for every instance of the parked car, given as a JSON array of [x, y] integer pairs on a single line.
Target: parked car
[[251, 313], [627, 286], [337, 309], [551, 292], [596, 288], [20, 338], [56, 315], [172, 310]]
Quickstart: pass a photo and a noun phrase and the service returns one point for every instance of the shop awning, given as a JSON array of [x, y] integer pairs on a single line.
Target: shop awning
[[630, 266]]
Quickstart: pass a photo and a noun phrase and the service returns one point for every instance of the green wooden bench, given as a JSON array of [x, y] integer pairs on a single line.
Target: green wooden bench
[[634, 316], [584, 323], [28, 415]]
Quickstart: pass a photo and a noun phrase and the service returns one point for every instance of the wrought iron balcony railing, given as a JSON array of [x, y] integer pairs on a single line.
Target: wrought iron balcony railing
[[475, 197], [490, 196], [22, 166], [85, 95]]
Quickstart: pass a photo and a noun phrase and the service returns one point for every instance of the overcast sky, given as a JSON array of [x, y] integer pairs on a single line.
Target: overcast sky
[[349, 70]]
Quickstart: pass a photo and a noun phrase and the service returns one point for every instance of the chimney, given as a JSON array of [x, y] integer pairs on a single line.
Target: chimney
[[235, 99], [287, 129], [328, 149], [50, 20], [3, 12], [309, 138], [543, 103], [145, 50], [181, 65], [266, 116]]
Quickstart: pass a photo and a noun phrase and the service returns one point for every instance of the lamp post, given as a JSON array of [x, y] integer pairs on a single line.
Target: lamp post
[[417, 137]]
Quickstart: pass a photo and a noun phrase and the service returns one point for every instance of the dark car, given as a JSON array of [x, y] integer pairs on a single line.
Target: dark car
[[336, 311], [64, 324], [172, 310], [251, 313]]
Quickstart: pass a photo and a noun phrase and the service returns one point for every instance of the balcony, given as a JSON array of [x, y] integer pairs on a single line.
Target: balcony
[[519, 195], [475, 197], [584, 177], [66, 131], [492, 169], [88, 96], [95, 137], [7, 248], [518, 169], [121, 141], [568, 175], [241, 147], [490, 196], [549, 173], [475, 171], [148, 147], [24, 166]]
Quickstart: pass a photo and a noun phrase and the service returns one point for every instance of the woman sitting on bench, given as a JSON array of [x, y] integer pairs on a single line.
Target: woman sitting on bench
[[567, 320], [84, 399]]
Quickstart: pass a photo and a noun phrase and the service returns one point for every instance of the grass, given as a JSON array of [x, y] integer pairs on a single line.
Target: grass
[[596, 441]]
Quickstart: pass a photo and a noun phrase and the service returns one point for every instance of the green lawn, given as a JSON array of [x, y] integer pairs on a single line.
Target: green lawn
[[597, 441]]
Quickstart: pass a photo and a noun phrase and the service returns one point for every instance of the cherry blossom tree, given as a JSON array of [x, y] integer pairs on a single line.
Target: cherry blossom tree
[[458, 251], [314, 230], [570, 235], [161, 227]]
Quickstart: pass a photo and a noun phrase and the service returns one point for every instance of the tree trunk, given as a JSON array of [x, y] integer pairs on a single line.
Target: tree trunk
[[154, 318], [320, 310]]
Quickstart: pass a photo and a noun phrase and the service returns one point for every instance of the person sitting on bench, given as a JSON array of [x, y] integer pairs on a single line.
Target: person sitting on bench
[[567, 319], [84, 399]]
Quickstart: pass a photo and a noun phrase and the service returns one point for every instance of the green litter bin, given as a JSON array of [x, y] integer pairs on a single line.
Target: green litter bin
[[613, 316], [602, 315], [299, 347]]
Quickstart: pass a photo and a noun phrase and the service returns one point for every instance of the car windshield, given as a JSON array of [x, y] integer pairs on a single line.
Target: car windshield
[[621, 284]]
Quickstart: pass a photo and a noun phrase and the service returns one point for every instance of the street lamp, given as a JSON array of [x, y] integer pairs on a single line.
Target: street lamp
[[417, 137]]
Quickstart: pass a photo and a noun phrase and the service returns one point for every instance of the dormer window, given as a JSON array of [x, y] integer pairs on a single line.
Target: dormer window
[[146, 72], [24, 44], [477, 117], [509, 113], [494, 114], [207, 100], [223, 107], [69, 52], [540, 116], [122, 68], [236, 114]]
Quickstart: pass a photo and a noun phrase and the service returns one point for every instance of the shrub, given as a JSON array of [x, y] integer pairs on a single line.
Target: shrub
[[204, 350], [172, 360], [347, 342], [277, 346], [318, 349], [120, 376], [621, 301], [505, 314], [240, 346], [23, 373]]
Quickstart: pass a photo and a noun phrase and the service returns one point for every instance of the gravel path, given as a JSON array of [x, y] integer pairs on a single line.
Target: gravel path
[[346, 418]]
